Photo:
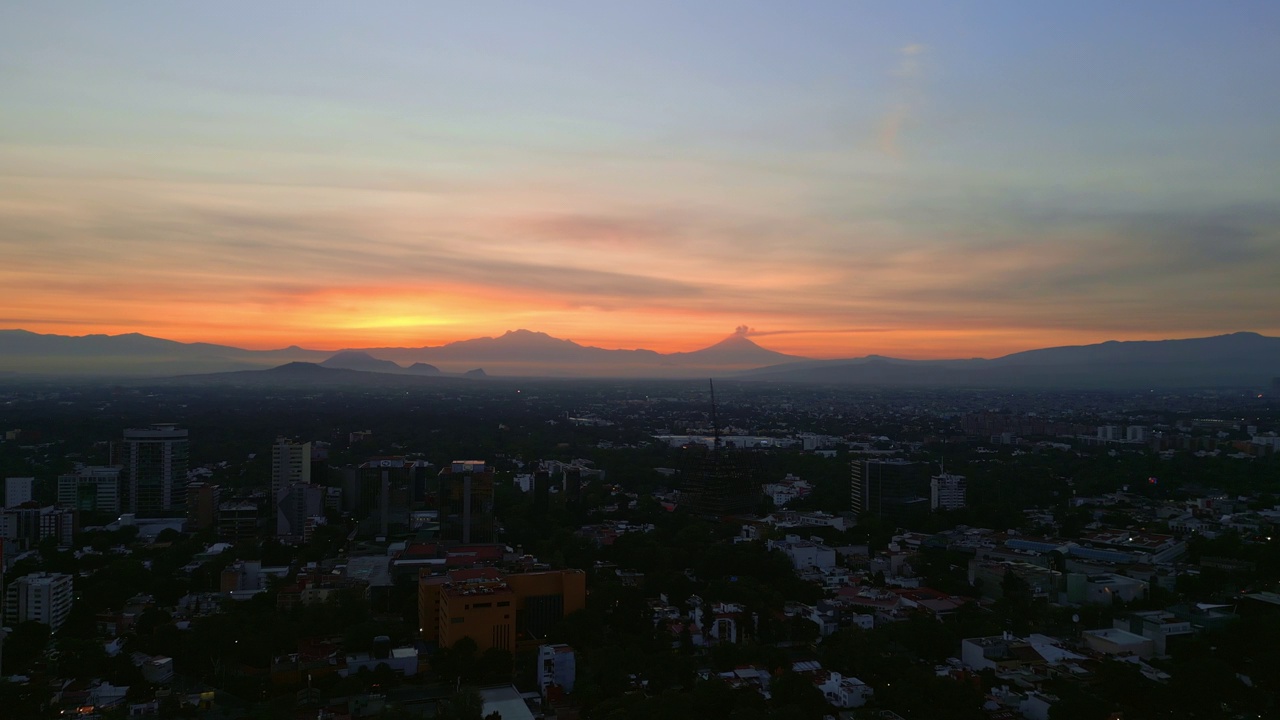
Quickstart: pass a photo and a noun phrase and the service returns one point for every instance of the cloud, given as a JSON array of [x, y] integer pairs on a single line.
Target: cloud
[[907, 98]]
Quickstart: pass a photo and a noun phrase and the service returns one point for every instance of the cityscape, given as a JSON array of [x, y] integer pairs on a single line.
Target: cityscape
[[642, 360]]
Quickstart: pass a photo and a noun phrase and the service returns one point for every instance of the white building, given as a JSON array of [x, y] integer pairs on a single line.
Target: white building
[[844, 692], [290, 463], [557, 665], [1135, 433], [947, 492], [1109, 433], [92, 489], [18, 490], [41, 597], [804, 554]]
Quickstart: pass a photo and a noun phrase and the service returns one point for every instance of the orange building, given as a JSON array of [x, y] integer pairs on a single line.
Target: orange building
[[496, 609]]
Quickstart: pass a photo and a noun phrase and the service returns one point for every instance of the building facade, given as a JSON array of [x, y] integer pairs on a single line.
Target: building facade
[[154, 463], [464, 499], [896, 490], [18, 490], [40, 597], [91, 489], [947, 492], [496, 609]]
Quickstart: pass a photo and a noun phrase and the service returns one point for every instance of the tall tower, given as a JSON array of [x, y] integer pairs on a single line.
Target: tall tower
[[720, 481], [894, 489], [153, 477], [290, 463], [465, 499]]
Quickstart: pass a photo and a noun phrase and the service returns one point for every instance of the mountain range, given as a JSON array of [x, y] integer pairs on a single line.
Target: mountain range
[[1237, 360]]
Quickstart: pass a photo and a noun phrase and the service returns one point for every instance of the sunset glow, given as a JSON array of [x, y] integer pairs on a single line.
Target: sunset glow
[[845, 180]]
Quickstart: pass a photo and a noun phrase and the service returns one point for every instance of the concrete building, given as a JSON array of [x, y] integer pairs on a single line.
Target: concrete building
[[202, 505], [805, 554], [947, 492], [464, 498], [1135, 433], [1113, 641], [237, 521], [91, 489], [1161, 627], [841, 691], [1103, 588], [25, 527], [382, 491], [18, 490], [297, 504], [496, 609], [290, 464], [557, 666], [153, 478], [896, 490], [1109, 433], [40, 597]]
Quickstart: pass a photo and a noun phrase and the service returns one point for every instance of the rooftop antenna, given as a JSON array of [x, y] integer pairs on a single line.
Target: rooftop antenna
[[715, 421]]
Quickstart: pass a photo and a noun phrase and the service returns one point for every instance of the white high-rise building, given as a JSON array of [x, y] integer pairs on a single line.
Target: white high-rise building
[[1135, 433], [42, 597], [947, 492], [1109, 433], [290, 465], [18, 490]]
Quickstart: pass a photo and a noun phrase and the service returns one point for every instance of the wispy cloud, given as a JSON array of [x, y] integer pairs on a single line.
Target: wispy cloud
[[907, 95]]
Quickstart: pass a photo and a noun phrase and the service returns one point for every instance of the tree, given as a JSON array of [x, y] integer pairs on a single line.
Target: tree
[[24, 645], [465, 705]]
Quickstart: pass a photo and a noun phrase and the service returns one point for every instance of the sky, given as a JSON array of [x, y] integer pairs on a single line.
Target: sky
[[840, 178]]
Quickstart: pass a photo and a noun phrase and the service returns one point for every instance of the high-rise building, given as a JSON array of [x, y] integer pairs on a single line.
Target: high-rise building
[[290, 463], [464, 499], [153, 477], [91, 489], [26, 527], [296, 504], [1110, 433], [894, 489], [947, 492], [237, 521], [18, 490], [202, 505], [40, 597], [719, 482], [381, 492]]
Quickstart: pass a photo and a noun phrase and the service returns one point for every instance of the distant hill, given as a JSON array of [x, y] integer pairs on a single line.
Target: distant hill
[[1237, 360], [307, 375], [363, 361]]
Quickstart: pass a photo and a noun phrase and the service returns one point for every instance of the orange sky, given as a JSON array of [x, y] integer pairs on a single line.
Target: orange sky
[[917, 184]]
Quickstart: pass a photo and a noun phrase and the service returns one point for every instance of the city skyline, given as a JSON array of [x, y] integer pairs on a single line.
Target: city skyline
[[834, 179]]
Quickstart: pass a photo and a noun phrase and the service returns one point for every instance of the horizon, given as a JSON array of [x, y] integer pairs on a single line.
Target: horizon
[[841, 180], [737, 333]]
